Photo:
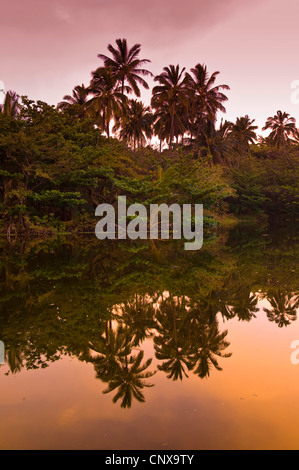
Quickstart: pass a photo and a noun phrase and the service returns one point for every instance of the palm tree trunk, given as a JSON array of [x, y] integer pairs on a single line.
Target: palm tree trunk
[[171, 127]]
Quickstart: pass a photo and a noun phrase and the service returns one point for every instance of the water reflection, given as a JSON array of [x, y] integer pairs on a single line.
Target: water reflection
[[102, 302]]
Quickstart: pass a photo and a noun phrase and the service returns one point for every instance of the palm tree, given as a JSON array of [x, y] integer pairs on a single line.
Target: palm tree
[[283, 129], [243, 133], [129, 379], [161, 126], [243, 305], [10, 107], [78, 98], [283, 308], [216, 143], [138, 314], [172, 345], [126, 65], [205, 98], [136, 123], [108, 98], [212, 344], [169, 97]]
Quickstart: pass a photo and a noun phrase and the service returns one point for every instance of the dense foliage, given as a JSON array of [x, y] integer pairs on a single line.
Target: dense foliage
[[58, 163]]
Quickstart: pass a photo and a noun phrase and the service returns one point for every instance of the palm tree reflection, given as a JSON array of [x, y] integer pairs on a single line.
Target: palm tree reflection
[[283, 310], [117, 365]]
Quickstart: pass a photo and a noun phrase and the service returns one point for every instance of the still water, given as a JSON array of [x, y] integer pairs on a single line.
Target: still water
[[131, 345]]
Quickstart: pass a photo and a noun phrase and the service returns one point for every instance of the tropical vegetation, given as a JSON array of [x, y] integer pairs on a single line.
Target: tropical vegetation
[[57, 163]]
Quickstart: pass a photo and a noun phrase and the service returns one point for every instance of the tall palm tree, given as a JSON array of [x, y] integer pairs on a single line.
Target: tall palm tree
[[283, 129], [78, 98], [243, 133], [170, 95], [10, 107], [125, 63], [135, 123], [108, 98], [206, 98]]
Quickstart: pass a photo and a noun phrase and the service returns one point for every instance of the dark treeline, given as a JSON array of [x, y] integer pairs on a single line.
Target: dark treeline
[[58, 163]]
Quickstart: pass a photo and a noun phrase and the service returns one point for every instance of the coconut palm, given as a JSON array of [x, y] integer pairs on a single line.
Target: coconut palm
[[79, 96], [108, 99], [283, 129], [135, 123], [78, 99], [127, 66], [215, 143], [206, 99], [243, 133], [138, 315], [283, 308], [243, 305], [212, 344], [163, 123], [170, 96], [129, 379], [172, 344]]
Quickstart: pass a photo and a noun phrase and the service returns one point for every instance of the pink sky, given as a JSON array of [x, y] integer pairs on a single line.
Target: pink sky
[[49, 47]]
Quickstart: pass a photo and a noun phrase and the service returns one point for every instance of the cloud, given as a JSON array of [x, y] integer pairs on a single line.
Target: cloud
[[63, 14], [49, 47], [154, 16]]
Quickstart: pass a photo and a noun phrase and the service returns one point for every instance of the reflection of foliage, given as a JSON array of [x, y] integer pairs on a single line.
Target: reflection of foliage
[[188, 340], [14, 359], [100, 304]]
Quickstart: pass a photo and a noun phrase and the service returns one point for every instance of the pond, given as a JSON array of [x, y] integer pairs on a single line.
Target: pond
[[142, 345]]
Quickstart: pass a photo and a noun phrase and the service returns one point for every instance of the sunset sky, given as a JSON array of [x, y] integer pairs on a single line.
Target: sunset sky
[[50, 47]]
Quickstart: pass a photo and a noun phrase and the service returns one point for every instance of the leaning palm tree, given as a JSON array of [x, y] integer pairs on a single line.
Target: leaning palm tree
[[108, 99], [78, 98], [206, 98], [135, 123], [283, 129], [170, 96], [10, 107], [127, 66]]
